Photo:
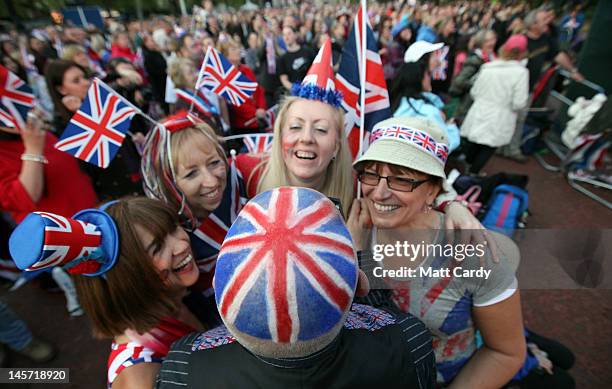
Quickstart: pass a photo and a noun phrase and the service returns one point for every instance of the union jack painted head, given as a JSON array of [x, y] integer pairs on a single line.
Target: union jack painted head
[[286, 273], [319, 83], [87, 243]]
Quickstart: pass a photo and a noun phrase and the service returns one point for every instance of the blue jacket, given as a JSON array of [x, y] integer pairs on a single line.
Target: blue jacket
[[429, 107]]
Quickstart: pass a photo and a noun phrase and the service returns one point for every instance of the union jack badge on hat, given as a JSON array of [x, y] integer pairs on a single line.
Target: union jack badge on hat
[[319, 83], [412, 142], [286, 273], [87, 243]]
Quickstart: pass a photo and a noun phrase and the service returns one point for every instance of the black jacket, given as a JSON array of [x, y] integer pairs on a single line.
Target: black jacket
[[394, 355]]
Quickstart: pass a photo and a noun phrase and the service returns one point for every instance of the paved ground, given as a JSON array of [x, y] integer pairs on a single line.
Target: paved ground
[[582, 319]]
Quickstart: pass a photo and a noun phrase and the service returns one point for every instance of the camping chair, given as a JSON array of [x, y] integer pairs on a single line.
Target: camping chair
[[551, 106]]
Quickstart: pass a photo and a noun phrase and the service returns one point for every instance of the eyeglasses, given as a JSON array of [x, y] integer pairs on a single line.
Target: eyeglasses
[[395, 183]]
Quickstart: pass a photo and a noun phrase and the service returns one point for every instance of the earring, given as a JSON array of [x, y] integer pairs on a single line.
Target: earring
[[333, 158], [427, 208]]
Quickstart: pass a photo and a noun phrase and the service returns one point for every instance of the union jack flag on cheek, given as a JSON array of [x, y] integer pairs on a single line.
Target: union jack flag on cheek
[[224, 79], [287, 270], [16, 99], [97, 130]]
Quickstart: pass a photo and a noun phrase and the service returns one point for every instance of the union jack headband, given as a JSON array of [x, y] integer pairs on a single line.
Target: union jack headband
[[417, 138], [87, 243], [286, 273], [319, 83], [180, 120]]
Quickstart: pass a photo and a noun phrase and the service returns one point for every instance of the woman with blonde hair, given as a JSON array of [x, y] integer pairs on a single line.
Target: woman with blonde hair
[[185, 166], [329, 173], [309, 148]]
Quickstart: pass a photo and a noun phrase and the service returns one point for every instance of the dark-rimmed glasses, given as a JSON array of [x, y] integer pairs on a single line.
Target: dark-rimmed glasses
[[395, 183]]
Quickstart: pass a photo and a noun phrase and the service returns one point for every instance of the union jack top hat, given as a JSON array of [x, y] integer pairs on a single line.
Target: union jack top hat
[[319, 82], [286, 273], [87, 243]]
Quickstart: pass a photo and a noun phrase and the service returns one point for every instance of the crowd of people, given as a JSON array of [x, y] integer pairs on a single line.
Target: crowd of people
[[198, 248]]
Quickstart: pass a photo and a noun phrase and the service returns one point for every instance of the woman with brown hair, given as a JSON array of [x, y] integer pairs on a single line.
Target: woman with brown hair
[[400, 179], [135, 264], [68, 84]]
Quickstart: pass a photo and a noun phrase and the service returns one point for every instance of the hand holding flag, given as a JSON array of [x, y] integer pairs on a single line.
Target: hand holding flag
[[220, 76], [16, 100]]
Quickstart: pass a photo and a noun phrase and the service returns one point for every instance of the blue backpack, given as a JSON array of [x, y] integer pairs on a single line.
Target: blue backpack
[[506, 207]]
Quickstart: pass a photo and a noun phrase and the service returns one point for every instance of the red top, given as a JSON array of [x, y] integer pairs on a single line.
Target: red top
[[251, 168], [246, 112], [123, 52], [67, 189], [151, 347]]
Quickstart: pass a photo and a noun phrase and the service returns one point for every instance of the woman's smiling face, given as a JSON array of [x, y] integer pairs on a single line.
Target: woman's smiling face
[[201, 175], [391, 208], [310, 139]]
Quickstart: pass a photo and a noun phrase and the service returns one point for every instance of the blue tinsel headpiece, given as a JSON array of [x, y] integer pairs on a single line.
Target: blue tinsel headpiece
[[313, 92]]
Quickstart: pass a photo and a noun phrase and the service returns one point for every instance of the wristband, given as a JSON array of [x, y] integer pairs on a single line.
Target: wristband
[[34, 158]]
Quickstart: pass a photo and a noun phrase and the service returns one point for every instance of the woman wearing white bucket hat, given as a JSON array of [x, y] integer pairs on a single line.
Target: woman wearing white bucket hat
[[401, 174], [310, 149]]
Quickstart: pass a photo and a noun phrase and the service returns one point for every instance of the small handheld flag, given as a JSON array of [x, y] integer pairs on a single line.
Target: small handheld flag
[[16, 99], [97, 130], [220, 76]]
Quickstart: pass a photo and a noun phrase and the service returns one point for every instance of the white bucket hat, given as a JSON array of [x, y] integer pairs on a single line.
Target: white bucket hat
[[415, 143], [419, 49]]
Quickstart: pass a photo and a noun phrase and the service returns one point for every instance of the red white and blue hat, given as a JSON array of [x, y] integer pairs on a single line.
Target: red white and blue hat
[[412, 142], [319, 83], [87, 243], [286, 273]]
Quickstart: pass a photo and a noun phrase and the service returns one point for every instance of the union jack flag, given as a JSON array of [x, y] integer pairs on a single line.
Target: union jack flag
[[224, 79], [271, 117], [16, 99], [258, 143], [290, 248], [198, 101], [65, 239], [96, 131], [425, 141], [439, 72], [348, 82]]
